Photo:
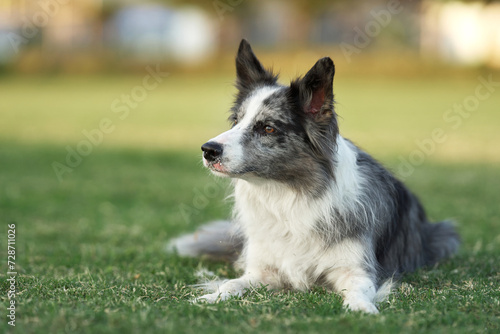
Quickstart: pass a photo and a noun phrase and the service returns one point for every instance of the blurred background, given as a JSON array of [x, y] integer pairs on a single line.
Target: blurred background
[[66, 64], [63, 64], [104, 35]]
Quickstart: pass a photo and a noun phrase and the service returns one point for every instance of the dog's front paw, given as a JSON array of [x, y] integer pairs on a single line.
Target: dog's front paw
[[210, 298], [213, 298], [361, 305]]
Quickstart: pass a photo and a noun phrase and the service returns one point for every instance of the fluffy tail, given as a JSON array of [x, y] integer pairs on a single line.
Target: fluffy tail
[[216, 240], [442, 241]]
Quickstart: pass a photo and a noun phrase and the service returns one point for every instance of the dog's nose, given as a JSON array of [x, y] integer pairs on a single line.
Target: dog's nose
[[211, 151]]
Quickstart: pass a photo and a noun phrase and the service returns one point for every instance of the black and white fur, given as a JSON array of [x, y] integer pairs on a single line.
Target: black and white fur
[[310, 207]]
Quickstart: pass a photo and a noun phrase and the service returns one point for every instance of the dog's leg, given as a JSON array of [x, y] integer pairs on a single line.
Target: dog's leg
[[234, 287], [357, 288], [352, 275]]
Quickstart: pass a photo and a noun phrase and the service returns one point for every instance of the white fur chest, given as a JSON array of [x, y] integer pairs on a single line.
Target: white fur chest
[[280, 227]]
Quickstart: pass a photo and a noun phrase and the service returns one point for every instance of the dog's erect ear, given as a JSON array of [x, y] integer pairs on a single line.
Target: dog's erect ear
[[249, 70], [314, 93], [316, 90]]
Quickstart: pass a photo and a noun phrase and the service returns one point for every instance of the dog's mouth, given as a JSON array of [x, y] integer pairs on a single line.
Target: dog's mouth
[[215, 166]]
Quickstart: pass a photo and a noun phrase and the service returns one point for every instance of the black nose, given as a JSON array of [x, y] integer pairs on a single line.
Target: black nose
[[211, 151]]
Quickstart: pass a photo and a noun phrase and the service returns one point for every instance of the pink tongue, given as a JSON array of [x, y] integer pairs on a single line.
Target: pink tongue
[[217, 166]]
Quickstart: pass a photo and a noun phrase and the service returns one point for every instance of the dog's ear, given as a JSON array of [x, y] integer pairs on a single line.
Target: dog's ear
[[316, 91], [314, 95], [249, 70]]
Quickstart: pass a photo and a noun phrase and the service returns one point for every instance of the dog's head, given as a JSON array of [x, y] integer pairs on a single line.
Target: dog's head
[[282, 133]]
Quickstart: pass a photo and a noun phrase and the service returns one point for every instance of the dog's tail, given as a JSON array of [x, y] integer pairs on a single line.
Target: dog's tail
[[216, 240], [442, 241]]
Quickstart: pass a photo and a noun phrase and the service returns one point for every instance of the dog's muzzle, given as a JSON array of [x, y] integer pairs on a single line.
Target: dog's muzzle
[[211, 151]]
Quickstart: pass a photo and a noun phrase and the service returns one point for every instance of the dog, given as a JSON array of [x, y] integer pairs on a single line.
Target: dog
[[310, 207]]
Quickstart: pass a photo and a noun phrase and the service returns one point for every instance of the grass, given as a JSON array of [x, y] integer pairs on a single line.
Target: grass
[[90, 250]]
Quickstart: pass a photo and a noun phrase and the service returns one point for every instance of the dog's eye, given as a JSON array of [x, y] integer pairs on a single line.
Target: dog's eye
[[269, 129], [235, 122]]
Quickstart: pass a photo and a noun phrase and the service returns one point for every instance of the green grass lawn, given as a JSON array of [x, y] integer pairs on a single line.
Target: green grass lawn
[[90, 249]]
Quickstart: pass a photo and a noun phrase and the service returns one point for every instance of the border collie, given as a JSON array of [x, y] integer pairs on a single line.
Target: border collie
[[310, 207]]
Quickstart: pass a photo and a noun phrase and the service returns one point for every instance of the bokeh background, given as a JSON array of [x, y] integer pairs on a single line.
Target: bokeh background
[[401, 64], [104, 105]]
